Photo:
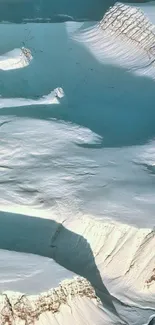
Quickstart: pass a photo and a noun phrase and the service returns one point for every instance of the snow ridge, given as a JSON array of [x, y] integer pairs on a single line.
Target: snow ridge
[[19, 307], [125, 36]]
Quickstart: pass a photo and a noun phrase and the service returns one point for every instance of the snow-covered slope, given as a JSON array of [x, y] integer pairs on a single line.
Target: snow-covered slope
[[125, 36], [84, 168], [118, 260], [68, 299], [123, 254]]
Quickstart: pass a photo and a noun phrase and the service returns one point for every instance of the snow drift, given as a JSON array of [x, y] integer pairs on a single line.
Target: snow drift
[[125, 36], [15, 59], [53, 97]]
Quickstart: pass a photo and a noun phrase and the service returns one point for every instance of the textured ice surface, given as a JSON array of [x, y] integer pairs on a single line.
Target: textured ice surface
[[125, 37], [15, 59], [83, 168]]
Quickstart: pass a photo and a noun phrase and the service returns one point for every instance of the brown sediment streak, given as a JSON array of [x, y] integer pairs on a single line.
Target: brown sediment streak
[[27, 309], [131, 23], [27, 53], [125, 36], [151, 279]]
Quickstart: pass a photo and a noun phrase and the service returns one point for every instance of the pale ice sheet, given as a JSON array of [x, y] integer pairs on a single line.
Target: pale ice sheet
[[108, 183], [92, 155]]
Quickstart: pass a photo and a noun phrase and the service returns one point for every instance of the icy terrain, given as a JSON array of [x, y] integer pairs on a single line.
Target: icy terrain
[[77, 165]]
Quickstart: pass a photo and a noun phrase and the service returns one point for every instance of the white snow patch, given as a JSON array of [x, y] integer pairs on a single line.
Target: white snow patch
[[125, 36], [15, 59], [52, 98]]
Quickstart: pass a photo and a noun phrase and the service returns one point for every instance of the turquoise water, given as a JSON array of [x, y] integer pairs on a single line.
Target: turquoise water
[[56, 11]]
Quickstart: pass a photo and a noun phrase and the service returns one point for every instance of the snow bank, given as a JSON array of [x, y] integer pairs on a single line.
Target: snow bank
[[112, 256], [16, 59], [52, 98], [123, 254], [67, 298], [125, 36]]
